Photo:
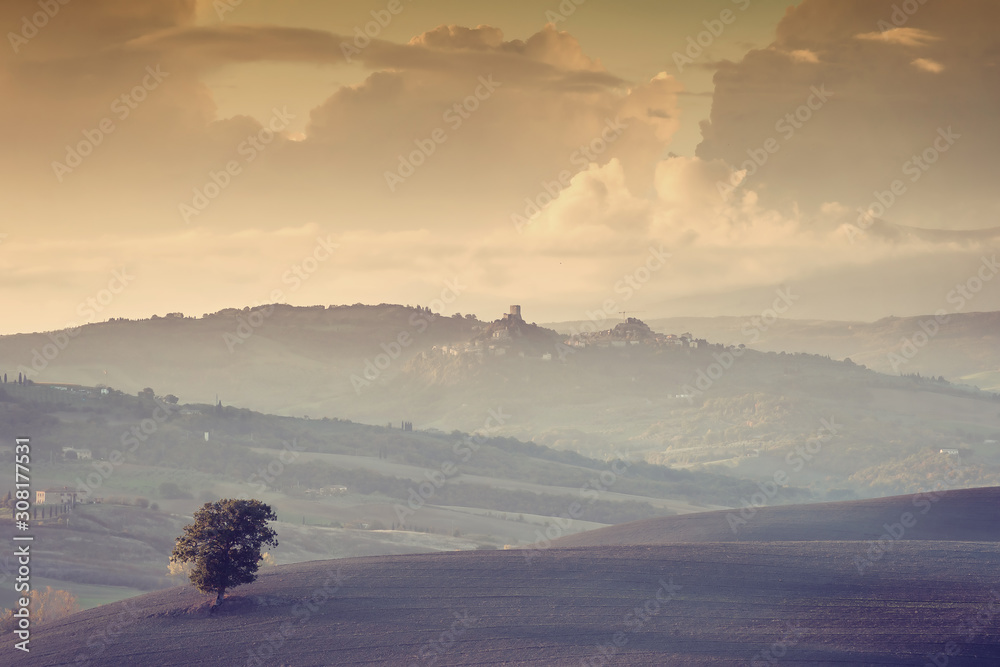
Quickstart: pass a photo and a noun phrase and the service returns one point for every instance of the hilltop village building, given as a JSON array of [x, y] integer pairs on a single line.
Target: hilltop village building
[[632, 331], [497, 339], [511, 334]]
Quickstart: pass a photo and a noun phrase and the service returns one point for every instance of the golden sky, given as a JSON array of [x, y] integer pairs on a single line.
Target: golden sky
[[674, 158]]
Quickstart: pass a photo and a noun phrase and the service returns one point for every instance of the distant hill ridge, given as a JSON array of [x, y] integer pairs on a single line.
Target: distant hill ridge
[[968, 515], [965, 346]]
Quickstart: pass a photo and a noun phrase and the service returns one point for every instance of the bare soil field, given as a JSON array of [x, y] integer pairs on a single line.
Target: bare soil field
[[824, 584], [710, 603], [959, 515]]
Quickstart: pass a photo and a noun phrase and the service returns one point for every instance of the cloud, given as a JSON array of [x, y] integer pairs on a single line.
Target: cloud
[[550, 100], [554, 114], [459, 37], [599, 230], [913, 37], [550, 106], [928, 65], [805, 56], [883, 118], [487, 128]]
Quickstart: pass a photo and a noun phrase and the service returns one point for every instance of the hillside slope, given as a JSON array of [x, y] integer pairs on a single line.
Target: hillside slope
[[720, 604], [968, 515], [681, 405], [966, 348], [275, 358], [818, 600]]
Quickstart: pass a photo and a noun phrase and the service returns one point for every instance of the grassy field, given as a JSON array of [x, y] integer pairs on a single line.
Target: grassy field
[[87, 595]]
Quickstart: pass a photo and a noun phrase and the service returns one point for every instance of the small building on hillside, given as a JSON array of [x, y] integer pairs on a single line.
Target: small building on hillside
[[55, 496], [74, 453]]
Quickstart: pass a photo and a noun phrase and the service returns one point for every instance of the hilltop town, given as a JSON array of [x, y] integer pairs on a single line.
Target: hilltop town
[[512, 334]]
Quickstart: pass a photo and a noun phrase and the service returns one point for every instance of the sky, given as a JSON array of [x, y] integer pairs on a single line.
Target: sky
[[579, 158]]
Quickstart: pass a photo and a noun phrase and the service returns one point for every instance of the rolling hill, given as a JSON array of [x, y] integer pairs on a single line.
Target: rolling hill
[[275, 358], [964, 349], [340, 489], [692, 603], [733, 411], [964, 515]]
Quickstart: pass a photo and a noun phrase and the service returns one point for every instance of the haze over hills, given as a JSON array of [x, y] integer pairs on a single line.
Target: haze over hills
[[278, 358], [140, 466], [693, 602], [284, 344], [811, 479], [636, 391], [688, 423], [965, 349]]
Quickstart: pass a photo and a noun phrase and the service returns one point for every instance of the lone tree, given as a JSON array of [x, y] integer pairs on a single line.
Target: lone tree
[[224, 544]]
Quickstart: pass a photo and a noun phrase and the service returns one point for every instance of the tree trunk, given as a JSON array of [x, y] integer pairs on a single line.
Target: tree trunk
[[218, 598]]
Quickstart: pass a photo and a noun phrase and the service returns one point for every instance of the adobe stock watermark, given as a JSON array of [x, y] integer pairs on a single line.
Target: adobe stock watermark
[[958, 297], [787, 126], [223, 7], [249, 149], [796, 460], [363, 35], [300, 614], [582, 157], [589, 492], [627, 287], [634, 622], [435, 648], [894, 532], [89, 309], [562, 13], [918, 165], [464, 450], [455, 117], [974, 625], [31, 25], [755, 326], [901, 14], [122, 107], [417, 323], [773, 654], [714, 28], [98, 642], [130, 441], [295, 276], [752, 329], [265, 476]]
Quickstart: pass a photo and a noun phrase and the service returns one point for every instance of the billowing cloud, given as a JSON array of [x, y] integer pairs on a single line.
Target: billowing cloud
[[453, 106], [885, 118], [519, 163], [739, 245], [913, 37], [503, 118]]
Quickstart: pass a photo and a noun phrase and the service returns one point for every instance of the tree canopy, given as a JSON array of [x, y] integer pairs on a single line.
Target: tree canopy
[[224, 544]]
